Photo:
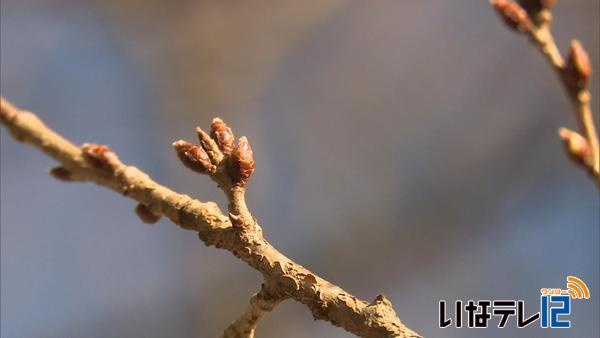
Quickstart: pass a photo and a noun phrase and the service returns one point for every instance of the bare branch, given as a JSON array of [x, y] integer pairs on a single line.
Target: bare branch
[[533, 20], [98, 164], [261, 303]]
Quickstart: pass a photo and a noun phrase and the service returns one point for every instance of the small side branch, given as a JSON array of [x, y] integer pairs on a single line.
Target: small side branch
[[261, 303]]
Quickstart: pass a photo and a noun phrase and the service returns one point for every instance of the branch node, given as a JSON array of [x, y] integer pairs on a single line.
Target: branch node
[[99, 156], [382, 299], [145, 214], [61, 174]]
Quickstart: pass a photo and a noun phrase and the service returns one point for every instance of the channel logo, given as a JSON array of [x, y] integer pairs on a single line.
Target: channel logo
[[555, 309]]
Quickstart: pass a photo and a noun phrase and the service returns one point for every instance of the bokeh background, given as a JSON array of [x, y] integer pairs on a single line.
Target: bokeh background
[[402, 147]]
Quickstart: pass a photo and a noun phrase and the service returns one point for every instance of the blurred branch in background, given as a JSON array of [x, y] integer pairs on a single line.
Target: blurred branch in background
[[533, 18], [220, 53]]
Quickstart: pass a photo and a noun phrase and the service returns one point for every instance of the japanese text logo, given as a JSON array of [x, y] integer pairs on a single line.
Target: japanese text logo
[[555, 309]]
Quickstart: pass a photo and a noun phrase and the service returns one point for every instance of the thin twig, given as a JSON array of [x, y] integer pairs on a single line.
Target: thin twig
[[580, 99], [533, 18], [243, 237]]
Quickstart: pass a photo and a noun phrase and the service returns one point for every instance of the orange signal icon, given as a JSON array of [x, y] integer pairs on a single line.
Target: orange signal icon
[[577, 288]]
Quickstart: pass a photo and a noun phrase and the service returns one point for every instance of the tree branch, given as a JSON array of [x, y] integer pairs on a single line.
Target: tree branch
[[533, 18], [261, 303], [239, 233]]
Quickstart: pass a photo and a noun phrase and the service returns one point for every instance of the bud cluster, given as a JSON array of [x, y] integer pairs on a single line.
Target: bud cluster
[[218, 150]]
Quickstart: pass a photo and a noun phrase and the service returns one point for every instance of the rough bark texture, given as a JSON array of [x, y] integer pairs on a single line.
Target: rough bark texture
[[238, 232]]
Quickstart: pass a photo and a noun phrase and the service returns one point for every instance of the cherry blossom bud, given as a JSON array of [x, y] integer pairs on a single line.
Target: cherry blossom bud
[[99, 156], [223, 135], [578, 69], [241, 162], [513, 15], [576, 145], [193, 157], [210, 146]]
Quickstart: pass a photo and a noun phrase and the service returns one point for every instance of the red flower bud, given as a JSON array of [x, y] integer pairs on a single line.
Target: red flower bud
[[576, 145], [513, 15], [210, 146], [241, 162], [193, 157], [578, 69], [99, 156], [223, 135]]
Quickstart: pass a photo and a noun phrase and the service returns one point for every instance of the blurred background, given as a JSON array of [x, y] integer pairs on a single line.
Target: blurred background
[[402, 147]]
